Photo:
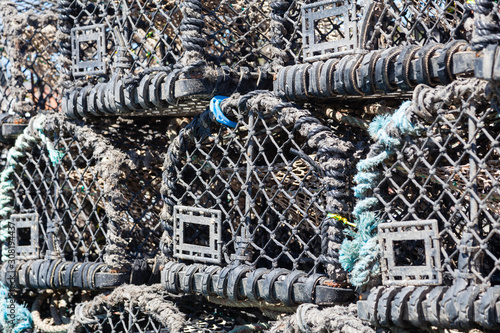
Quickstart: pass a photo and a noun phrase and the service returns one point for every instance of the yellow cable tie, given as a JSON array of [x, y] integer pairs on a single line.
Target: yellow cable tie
[[341, 219]]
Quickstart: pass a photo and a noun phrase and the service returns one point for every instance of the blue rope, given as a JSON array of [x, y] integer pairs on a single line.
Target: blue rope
[[14, 318], [359, 253]]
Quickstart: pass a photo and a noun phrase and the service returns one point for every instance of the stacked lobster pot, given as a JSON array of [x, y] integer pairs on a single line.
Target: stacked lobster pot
[[277, 157]]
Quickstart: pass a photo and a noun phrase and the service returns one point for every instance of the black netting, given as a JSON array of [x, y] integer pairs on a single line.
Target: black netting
[[61, 185], [260, 177], [450, 174], [234, 34], [78, 184], [393, 23]]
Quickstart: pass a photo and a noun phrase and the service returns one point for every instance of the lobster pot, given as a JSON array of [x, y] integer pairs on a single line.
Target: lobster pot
[[123, 317], [153, 311], [315, 30], [77, 197], [394, 23], [29, 53], [58, 200], [223, 32], [443, 187], [257, 186]]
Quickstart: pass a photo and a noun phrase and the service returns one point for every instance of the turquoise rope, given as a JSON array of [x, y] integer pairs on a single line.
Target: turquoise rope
[[55, 155], [359, 253], [14, 318]]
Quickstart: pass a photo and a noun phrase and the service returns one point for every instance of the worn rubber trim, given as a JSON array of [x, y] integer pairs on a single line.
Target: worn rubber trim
[[382, 80], [155, 90], [34, 273], [81, 102], [444, 61], [24, 274], [464, 303], [384, 306], [87, 275], [71, 103], [222, 282], [234, 281], [422, 70], [290, 279], [95, 272], [207, 279], [314, 78], [92, 106], [339, 75], [58, 275], [168, 90], [403, 64], [120, 101], [415, 311], [370, 306], [290, 82], [301, 81], [143, 93], [188, 278], [269, 280], [486, 315], [43, 274], [253, 279], [326, 77], [431, 306], [281, 82], [310, 285], [110, 95], [79, 274], [399, 307], [351, 77], [155, 276], [68, 274], [172, 283], [367, 72], [128, 95], [100, 99]]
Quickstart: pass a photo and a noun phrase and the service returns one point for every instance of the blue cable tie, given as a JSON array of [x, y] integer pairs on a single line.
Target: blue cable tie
[[217, 112]]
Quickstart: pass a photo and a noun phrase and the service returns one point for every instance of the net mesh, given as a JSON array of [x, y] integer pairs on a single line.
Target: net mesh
[[450, 174], [267, 194]]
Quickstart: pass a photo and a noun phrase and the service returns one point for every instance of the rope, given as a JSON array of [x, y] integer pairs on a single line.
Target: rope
[[360, 256], [41, 325], [312, 319], [14, 318], [487, 23], [193, 43], [278, 32], [65, 22], [149, 300]]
